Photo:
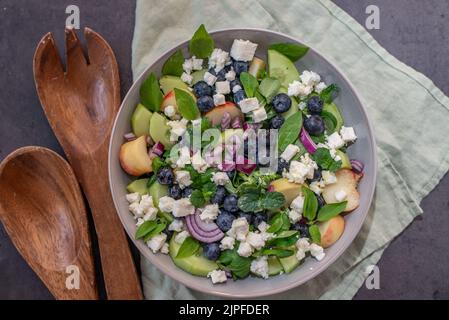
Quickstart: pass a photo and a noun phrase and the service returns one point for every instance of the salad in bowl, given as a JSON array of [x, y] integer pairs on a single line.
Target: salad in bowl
[[239, 164]]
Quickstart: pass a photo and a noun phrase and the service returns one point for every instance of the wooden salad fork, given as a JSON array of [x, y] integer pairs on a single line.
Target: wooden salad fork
[[81, 104]]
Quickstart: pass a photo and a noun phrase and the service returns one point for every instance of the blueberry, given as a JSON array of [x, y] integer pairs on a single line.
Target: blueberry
[[239, 96], [175, 192], [321, 201], [259, 218], [219, 196], [282, 164], [247, 216], [186, 192], [201, 89], [302, 228], [315, 105], [235, 82], [211, 251], [316, 175], [276, 122], [240, 66], [221, 75], [314, 125], [224, 220], [281, 103], [205, 103], [230, 203], [165, 176]]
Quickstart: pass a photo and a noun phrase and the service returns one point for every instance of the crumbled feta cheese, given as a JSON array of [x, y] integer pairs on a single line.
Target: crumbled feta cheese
[[165, 249], [139, 222], [255, 240], [219, 99], [178, 128], [303, 244], [209, 78], [184, 157], [301, 170], [217, 276], [267, 235], [187, 78], [328, 177], [183, 178], [209, 213], [183, 207], [133, 197], [222, 87], [242, 50], [220, 178], [227, 243], [260, 267], [263, 226], [197, 64], [239, 229], [294, 216], [297, 88], [320, 87], [198, 163], [230, 75], [290, 152], [146, 202], [236, 88], [260, 115], [176, 225], [302, 105], [245, 249], [156, 242], [298, 204], [317, 186], [249, 104], [136, 210], [310, 78], [218, 59], [334, 141], [300, 254], [340, 195], [150, 214], [180, 237], [317, 251], [187, 66], [348, 134], [166, 204], [170, 111]]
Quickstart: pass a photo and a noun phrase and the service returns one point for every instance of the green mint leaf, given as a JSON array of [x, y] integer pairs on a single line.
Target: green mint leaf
[[315, 234], [157, 164], [310, 204], [329, 211], [150, 93], [249, 202], [173, 65], [269, 87], [323, 158], [186, 105], [145, 228], [197, 198], [289, 131], [201, 45], [328, 94], [292, 51], [188, 248], [272, 200], [249, 83], [239, 266]]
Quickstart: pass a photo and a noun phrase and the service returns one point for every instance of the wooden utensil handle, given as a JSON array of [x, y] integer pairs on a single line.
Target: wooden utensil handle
[[120, 276]]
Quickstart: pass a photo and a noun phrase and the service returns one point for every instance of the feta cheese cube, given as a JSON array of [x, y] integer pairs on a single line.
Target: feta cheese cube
[[340, 195], [310, 78], [245, 249], [197, 64], [223, 87], [219, 99], [170, 111], [317, 186], [328, 177], [187, 66], [156, 242], [263, 226], [209, 78], [146, 202], [166, 204], [300, 254], [227, 243], [255, 240], [249, 104], [348, 134], [301, 170], [297, 88], [242, 50], [217, 276], [187, 78], [239, 229], [298, 204], [220, 178], [165, 248], [209, 213], [178, 128], [150, 214], [260, 267], [230, 75], [317, 251], [302, 105], [183, 207], [259, 115], [294, 216], [320, 87], [183, 178], [180, 237], [176, 225], [218, 59], [289, 152], [133, 197], [303, 244], [139, 222], [334, 141], [136, 210]]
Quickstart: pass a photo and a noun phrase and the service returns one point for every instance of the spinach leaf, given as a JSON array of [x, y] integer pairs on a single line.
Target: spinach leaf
[[145, 228], [201, 45], [292, 51], [249, 83], [289, 131], [328, 94], [188, 248], [269, 87], [157, 164], [239, 266], [197, 198], [279, 222], [315, 234], [173, 65], [151, 180], [324, 159], [310, 204], [150, 93], [160, 226], [329, 211], [186, 105], [272, 200]]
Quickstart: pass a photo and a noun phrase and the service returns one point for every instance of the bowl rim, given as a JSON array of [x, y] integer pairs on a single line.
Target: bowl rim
[[321, 267]]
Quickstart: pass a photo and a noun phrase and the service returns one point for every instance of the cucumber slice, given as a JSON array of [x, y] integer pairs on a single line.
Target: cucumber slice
[[159, 130], [282, 68], [139, 186], [290, 263], [140, 121], [333, 110], [345, 163], [198, 76], [269, 87], [274, 266]]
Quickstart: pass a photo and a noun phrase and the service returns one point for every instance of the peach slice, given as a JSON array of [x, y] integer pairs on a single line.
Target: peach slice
[[331, 230], [216, 114], [347, 181], [134, 157], [290, 190]]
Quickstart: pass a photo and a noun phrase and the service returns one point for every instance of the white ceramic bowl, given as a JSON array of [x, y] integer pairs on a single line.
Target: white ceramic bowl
[[364, 150]]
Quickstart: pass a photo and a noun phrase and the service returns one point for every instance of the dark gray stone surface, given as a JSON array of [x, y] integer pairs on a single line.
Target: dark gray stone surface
[[415, 265]]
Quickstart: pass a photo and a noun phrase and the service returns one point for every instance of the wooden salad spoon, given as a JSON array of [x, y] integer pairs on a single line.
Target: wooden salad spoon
[[81, 104], [42, 209]]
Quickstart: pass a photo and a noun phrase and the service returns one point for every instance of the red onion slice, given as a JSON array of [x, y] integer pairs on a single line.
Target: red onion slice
[[158, 149], [307, 141], [129, 136], [226, 167], [201, 235], [357, 166], [206, 226]]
